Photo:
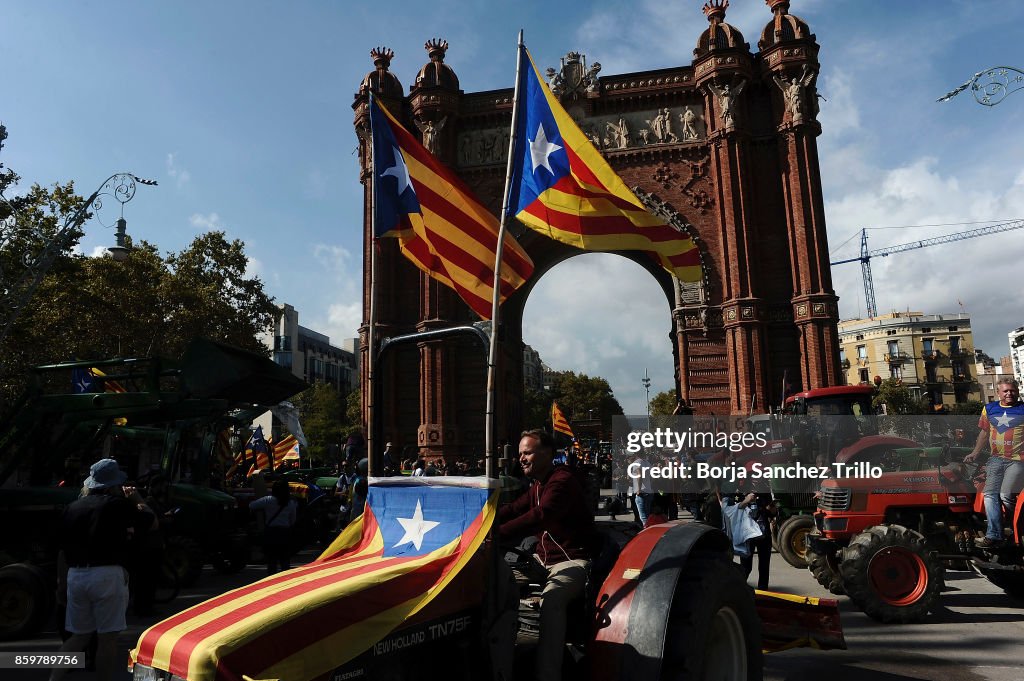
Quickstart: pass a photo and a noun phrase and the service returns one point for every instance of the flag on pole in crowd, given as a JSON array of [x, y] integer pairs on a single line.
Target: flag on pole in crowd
[[562, 187], [258, 450], [558, 421], [414, 538], [287, 449], [441, 227]]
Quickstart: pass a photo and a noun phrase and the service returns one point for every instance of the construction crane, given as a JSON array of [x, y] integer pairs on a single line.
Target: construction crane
[[865, 255]]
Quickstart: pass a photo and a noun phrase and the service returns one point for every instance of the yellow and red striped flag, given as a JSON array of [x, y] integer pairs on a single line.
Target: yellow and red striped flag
[[562, 187], [442, 228], [286, 450], [306, 622], [559, 423]]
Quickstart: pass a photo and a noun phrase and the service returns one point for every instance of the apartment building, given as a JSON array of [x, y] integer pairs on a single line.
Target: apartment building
[[933, 354]]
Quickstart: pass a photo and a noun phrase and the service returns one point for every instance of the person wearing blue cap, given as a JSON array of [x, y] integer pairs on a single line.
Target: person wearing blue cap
[[96, 531]]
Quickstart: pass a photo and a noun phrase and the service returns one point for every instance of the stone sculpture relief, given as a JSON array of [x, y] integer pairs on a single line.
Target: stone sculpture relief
[[429, 131], [727, 94], [795, 94], [633, 130]]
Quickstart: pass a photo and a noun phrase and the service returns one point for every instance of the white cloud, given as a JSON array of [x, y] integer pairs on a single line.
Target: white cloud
[[343, 320], [99, 252], [603, 315], [180, 176], [253, 267], [209, 222], [337, 260]]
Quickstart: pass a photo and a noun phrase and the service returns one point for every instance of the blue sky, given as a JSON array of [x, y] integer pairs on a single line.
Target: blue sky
[[242, 112]]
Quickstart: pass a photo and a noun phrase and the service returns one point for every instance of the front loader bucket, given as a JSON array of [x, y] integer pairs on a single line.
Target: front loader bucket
[[789, 621]]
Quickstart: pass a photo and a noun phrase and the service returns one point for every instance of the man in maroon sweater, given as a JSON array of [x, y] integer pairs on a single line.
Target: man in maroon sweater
[[555, 510]]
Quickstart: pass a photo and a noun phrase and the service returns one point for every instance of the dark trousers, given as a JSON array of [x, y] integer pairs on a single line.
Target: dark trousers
[[763, 547]]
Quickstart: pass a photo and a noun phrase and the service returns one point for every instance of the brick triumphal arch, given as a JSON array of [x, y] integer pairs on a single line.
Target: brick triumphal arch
[[724, 147]]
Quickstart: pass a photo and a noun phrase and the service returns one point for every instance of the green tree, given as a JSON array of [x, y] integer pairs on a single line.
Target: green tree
[[897, 398], [578, 395], [147, 305], [664, 403], [536, 409], [354, 409], [969, 408], [323, 419]]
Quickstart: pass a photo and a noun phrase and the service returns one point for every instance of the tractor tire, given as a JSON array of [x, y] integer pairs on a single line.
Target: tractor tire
[[889, 573], [185, 558], [25, 600], [714, 631], [825, 570], [791, 540]]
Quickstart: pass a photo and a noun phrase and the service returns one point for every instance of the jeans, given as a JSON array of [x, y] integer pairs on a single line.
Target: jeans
[[1003, 479], [642, 504]]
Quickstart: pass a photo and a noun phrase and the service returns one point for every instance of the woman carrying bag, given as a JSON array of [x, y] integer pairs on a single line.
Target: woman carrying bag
[[281, 512]]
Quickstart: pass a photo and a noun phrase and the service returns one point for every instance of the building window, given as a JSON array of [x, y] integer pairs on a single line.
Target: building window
[[283, 359], [926, 329], [952, 328], [954, 343], [860, 337], [958, 371], [894, 371], [864, 378], [893, 347], [930, 374], [842, 355], [862, 352], [928, 345], [890, 332], [283, 343]]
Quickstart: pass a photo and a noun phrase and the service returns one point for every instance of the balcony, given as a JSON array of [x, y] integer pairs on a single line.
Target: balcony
[[897, 357], [846, 364], [960, 352], [862, 361], [930, 355], [962, 378]]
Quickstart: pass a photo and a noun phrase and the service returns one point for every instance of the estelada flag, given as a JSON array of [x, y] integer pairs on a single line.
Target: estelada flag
[[441, 227], [559, 423], [414, 537], [562, 187], [286, 450]]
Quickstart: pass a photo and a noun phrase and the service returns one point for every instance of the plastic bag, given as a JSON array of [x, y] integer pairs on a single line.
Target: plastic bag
[[739, 526]]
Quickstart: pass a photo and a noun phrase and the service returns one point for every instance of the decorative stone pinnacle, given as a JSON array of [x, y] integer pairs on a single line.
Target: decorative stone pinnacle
[[382, 57], [778, 6], [436, 47], [572, 56], [714, 10]]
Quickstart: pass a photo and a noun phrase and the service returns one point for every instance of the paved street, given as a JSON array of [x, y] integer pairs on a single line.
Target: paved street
[[975, 637]]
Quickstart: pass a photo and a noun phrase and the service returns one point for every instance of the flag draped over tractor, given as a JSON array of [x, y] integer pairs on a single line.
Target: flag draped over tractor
[[414, 537]]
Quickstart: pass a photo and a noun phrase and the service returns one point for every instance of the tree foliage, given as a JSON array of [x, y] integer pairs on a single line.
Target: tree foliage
[[897, 398], [578, 395], [147, 305], [322, 410], [664, 403]]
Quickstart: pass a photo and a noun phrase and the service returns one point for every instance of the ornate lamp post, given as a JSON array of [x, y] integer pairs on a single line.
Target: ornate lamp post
[[120, 186], [990, 86]]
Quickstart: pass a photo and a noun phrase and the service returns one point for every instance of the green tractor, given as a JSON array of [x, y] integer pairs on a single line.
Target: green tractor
[[157, 417]]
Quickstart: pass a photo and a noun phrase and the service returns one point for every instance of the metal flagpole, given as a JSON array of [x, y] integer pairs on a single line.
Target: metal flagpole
[[371, 332], [491, 467]]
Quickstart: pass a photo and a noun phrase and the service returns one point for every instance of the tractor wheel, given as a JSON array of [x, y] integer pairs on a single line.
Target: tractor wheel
[[185, 557], [25, 600], [825, 570], [792, 544], [889, 573], [713, 631]]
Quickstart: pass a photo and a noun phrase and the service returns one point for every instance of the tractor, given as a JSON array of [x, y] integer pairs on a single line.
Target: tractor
[[886, 541], [155, 416]]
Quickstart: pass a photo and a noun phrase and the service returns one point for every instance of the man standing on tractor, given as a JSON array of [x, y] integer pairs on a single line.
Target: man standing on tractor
[[1002, 428], [553, 509]]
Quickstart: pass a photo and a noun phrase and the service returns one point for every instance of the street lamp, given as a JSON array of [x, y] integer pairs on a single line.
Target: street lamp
[[121, 186], [647, 386]]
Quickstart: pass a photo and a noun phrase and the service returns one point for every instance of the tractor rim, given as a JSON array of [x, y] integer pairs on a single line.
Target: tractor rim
[[798, 543], [726, 655], [899, 576]]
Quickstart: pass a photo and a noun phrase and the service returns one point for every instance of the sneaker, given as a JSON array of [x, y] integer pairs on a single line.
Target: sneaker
[[987, 543]]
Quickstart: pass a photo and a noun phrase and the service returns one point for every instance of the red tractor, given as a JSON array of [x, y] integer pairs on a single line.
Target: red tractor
[[886, 541]]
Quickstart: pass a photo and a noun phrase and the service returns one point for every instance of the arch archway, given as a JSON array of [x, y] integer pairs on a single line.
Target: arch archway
[[734, 162]]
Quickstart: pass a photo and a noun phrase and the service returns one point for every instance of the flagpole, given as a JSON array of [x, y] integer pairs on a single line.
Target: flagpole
[[371, 332], [489, 466]]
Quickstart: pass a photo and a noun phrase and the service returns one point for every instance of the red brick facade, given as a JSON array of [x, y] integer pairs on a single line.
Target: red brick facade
[[725, 147]]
